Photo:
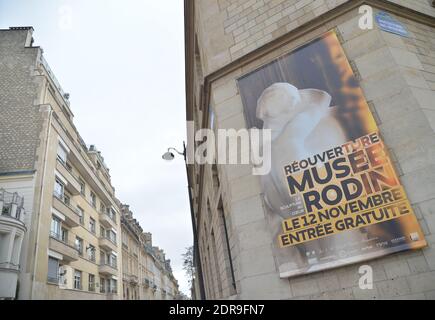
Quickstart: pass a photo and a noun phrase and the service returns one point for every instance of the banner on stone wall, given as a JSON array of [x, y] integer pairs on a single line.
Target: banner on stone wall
[[333, 196]]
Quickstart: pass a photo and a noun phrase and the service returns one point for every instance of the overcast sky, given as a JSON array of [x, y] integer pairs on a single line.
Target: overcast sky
[[122, 61]]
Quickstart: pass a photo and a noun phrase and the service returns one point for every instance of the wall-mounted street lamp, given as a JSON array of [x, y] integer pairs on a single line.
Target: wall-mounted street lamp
[[169, 156]]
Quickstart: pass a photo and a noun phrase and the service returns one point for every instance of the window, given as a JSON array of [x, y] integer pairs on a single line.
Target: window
[[77, 280], [102, 257], [111, 236], [62, 153], [64, 235], [53, 270], [93, 200], [58, 189], [102, 208], [112, 215], [113, 286], [102, 285], [81, 214], [91, 282], [112, 261], [91, 253], [79, 245], [55, 229], [124, 239], [82, 187], [92, 225]]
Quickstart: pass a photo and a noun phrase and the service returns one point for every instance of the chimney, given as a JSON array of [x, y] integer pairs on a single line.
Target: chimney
[[29, 37]]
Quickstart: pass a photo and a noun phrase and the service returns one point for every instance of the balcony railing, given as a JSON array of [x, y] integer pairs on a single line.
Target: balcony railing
[[112, 290], [58, 236], [109, 264], [11, 205], [108, 212], [69, 169], [111, 239], [63, 246], [69, 203]]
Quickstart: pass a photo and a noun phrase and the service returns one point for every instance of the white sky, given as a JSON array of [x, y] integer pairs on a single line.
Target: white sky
[[122, 61]]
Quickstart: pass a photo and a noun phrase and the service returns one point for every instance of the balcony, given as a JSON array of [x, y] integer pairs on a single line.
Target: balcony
[[68, 251], [60, 281], [11, 209], [106, 220], [112, 294], [107, 244], [107, 269], [73, 185], [133, 279], [68, 209]]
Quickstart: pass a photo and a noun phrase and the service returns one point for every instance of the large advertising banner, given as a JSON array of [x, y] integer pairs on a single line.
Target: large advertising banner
[[332, 196]]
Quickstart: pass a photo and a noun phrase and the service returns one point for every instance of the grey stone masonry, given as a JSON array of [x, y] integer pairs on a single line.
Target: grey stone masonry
[[233, 28], [20, 119]]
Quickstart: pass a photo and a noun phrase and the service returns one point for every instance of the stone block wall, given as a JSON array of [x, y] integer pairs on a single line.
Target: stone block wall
[[20, 119], [229, 29]]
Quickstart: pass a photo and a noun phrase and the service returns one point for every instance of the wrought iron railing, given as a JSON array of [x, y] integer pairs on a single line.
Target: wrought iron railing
[[65, 241], [112, 265], [69, 169], [11, 204], [105, 236], [69, 203], [108, 212]]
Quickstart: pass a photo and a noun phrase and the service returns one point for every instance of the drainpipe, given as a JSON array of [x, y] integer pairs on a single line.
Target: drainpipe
[[195, 238]]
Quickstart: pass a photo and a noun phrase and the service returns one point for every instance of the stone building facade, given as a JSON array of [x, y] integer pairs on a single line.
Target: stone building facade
[[71, 247], [226, 39], [60, 222], [147, 274]]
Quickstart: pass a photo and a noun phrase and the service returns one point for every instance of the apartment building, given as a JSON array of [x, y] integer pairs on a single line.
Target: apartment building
[[147, 274], [243, 54], [67, 244]]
